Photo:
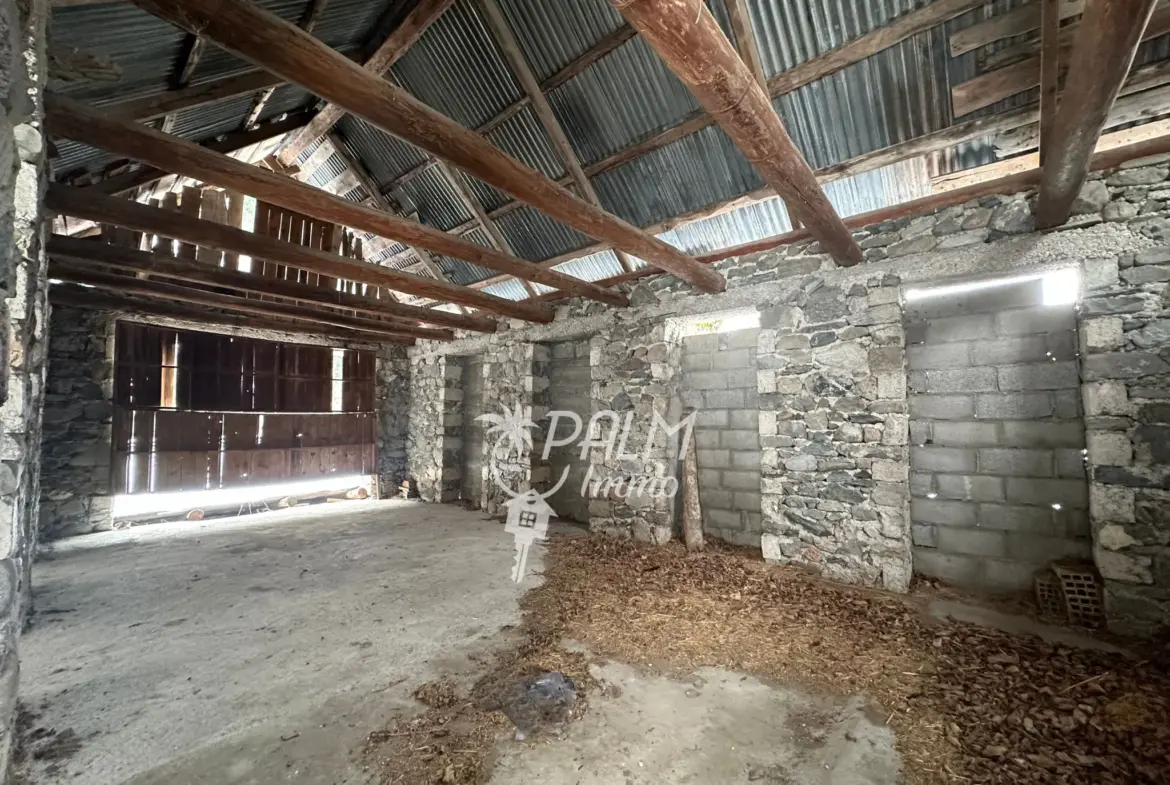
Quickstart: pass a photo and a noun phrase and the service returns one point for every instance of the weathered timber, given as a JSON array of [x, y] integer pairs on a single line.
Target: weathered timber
[[174, 101], [1105, 46], [726, 88], [76, 121], [1049, 69], [1015, 22], [123, 212], [272, 43], [73, 249]]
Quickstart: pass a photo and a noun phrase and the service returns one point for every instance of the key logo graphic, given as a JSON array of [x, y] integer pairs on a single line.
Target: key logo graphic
[[528, 516]]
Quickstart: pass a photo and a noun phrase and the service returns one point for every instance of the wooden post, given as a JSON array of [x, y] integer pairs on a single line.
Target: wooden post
[[274, 44], [692, 509], [76, 121], [123, 212], [1106, 43], [688, 39]]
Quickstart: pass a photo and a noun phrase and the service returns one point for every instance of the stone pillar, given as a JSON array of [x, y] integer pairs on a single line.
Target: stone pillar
[[508, 386], [1125, 369], [76, 479], [393, 401], [434, 435], [635, 369], [22, 326], [834, 431]]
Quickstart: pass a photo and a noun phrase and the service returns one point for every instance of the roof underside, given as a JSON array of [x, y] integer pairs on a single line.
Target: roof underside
[[623, 98]]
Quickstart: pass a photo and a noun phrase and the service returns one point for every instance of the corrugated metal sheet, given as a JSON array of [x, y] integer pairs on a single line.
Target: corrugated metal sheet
[[552, 35], [509, 290], [144, 47], [431, 195], [386, 157], [456, 68], [325, 174], [535, 236], [216, 63], [286, 99], [523, 138]]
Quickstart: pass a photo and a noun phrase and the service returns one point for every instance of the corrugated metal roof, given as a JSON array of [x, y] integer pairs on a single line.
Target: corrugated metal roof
[[386, 157], [552, 35], [216, 63], [432, 197], [535, 236]]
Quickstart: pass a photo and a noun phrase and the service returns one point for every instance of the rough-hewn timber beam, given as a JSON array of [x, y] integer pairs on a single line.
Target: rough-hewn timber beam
[[129, 284], [147, 309], [689, 41], [228, 144], [74, 249], [81, 123], [272, 43], [208, 234], [174, 101], [1049, 69], [1105, 46], [426, 13]]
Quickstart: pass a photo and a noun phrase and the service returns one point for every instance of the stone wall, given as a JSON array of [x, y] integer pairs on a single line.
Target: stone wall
[[508, 387], [998, 475], [473, 406], [392, 392], [719, 382], [76, 457], [832, 377], [1125, 340], [834, 432], [434, 444], [23, 328]]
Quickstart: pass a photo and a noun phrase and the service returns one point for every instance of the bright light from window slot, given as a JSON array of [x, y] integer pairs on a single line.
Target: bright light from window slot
[[130, 505], [1061, 287], [723, 322]]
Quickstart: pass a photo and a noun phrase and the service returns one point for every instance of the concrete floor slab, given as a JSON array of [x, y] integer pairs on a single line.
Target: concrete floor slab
[[719, 727], [256, 650]]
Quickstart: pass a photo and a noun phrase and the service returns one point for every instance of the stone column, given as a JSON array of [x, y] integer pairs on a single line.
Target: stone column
[[434, 435], [509, 384], [635, 369], [76, 478], [1125, 370], [22, 325], [393, 401], [834, 431]]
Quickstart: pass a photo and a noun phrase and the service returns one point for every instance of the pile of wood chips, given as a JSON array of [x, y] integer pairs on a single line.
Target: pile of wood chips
[[967, 704]]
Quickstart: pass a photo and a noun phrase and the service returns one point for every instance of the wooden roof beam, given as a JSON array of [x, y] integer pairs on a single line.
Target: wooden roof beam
[[307, 22], [131, 215], [76, 121], [129, 284], [1106, 43], [67, 249], [426, 13], [693, 46], [272, 43], [1016, 22]]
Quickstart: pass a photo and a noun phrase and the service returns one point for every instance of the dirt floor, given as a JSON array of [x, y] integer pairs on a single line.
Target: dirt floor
[[376, 643]]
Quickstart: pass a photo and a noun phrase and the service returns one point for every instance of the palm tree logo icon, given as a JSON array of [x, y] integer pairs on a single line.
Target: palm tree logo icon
[[512, 430]]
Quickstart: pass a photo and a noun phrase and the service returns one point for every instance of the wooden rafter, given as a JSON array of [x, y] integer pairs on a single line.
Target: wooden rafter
[[129, 284], [426, 13], [1106, 44], [94, 251], [173, 101], [695, 49], [540, 106], [1015, 22], [1049, 69], [76, 121], [745, 39], [207, 234], [308, 21], [282, 48]]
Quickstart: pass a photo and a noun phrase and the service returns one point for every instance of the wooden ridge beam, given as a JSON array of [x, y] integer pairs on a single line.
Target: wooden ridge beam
[[698, 52], [1106, 44], [994, 86], [129, 284], [229, 143], [76, 121], [73, 249], [267, 40], [131, 215], [143, 308], [426, 13]]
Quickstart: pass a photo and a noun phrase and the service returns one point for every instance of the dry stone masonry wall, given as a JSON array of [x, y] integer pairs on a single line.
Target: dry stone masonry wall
[[393, 402], [434, 442], [832, 391], [509, 383], [77, 453]]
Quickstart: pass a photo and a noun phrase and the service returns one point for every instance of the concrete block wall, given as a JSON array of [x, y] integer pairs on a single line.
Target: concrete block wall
[[569, 386], [719, 382], [997, 471], [77, 453]]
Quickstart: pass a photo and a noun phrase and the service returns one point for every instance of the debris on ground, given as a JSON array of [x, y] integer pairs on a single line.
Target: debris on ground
[[545, 702], [437, 694], [967, 704]]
